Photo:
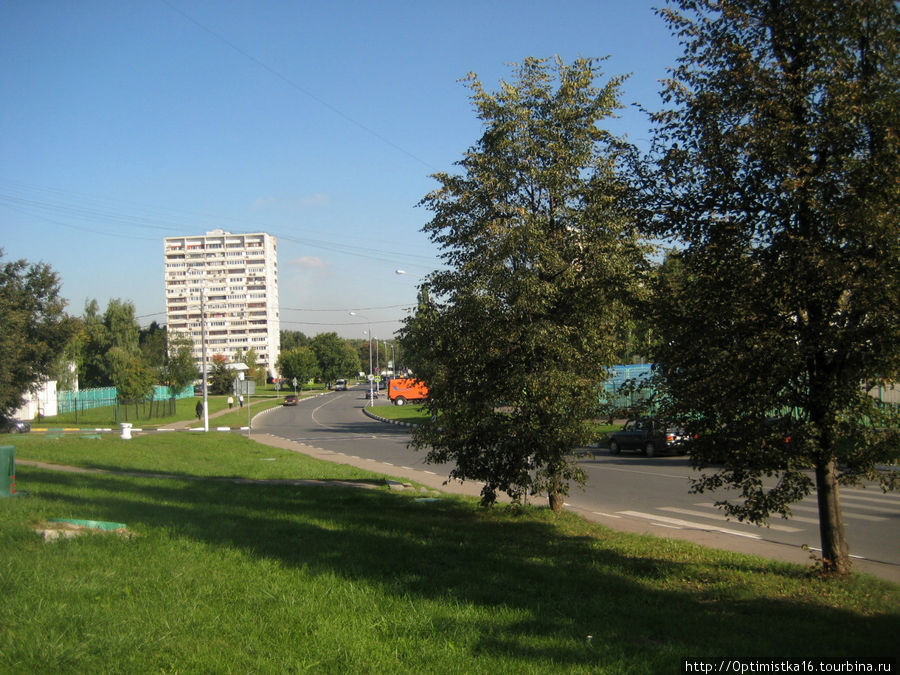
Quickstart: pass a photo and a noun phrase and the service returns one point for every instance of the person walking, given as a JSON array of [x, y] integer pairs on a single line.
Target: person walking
[[241, 399], [199, 410], [230, 402]]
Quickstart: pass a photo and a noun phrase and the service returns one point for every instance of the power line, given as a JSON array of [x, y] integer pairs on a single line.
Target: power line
[[294, 85]]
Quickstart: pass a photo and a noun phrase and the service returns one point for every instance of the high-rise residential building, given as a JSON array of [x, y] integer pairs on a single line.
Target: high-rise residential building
[[230, 283]]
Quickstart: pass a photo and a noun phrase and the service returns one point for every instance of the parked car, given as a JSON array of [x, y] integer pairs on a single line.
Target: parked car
[[649, 435], [290, 400], [11, 426]]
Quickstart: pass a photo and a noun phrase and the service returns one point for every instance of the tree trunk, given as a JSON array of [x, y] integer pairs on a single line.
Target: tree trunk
[[835, 551], [556, 494]]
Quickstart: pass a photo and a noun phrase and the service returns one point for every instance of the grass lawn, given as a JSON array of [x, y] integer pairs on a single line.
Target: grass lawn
[[273, 578], [185, 409]]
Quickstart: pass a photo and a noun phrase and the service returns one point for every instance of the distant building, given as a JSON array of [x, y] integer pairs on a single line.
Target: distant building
[[235, 277]]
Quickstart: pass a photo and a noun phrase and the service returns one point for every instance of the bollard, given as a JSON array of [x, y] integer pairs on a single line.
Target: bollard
[[126, 430], [7, 471]]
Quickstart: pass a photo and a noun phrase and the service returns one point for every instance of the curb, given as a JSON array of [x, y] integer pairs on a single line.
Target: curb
[[386, 420]]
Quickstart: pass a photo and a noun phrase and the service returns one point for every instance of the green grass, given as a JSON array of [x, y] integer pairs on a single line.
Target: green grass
[[411, 412], [185, 409], [273, 578]]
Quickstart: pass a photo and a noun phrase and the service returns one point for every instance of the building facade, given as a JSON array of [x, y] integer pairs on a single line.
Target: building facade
[[229, 282]]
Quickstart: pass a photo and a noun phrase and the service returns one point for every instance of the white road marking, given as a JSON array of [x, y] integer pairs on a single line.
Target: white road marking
[[717, 516], [687, 524]]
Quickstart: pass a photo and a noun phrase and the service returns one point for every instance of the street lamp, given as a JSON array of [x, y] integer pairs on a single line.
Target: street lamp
[[203, 350], [371, 376]]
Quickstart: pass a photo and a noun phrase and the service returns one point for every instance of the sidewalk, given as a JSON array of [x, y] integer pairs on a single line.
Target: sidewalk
[[184, 425]]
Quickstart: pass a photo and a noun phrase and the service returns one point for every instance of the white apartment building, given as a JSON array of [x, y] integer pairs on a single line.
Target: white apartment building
[[233, 278]]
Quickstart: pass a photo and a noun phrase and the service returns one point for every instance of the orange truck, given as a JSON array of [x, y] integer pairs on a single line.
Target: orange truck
[[403, 389]]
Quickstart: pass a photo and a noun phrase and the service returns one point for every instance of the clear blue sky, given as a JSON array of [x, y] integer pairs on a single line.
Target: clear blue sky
[[124, 122]]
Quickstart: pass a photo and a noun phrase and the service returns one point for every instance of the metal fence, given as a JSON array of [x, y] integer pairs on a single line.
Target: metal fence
[[160, 403], [628, 388]]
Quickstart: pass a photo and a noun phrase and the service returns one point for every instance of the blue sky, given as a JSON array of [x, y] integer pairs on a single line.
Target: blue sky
[[124, 122]]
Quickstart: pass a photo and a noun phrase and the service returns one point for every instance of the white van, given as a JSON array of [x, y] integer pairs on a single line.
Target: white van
[[340, 385]]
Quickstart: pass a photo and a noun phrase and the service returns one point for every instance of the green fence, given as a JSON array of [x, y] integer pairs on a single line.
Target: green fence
[[159, 404]]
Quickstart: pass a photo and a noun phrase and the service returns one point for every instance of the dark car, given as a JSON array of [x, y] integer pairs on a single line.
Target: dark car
[[649, 435], [290, 400], [14, 426]]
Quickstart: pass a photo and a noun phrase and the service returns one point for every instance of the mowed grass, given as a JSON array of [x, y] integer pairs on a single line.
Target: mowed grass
[[274, 578]]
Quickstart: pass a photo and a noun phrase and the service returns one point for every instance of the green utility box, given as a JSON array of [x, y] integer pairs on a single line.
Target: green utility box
[[7, 471]]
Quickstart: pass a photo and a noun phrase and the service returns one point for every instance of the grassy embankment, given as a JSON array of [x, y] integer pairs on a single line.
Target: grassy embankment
[[253, 577]]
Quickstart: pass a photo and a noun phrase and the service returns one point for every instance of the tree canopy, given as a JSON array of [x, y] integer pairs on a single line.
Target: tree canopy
[[777, 176], [335, 357], [513, 337], [34, 329], [298, 362]]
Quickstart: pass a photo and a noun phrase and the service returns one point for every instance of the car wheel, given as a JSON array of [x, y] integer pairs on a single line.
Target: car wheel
[[399, 400], [650, 449], [614, 448]]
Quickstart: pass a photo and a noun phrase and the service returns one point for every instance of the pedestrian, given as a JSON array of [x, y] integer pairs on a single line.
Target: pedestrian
[[199, 409], [230, 402], [241, 399]]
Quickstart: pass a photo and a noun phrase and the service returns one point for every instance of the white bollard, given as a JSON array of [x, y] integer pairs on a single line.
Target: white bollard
[[126, 430]]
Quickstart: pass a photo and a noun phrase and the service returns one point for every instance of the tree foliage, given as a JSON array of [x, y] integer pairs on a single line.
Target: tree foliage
[[513, 337], [34, 329], [777, 173], [335, 357], [298, 362], [180, 369], [221, 377]]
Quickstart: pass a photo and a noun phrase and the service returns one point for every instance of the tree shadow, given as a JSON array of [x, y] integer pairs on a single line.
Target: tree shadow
[[635, 607]]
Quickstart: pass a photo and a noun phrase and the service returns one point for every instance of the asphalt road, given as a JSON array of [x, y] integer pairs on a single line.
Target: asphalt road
[[627, 492]]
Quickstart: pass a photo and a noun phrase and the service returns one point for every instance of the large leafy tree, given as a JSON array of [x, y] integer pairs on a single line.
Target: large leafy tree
[[335, 357], [512, 338], [180, 369], [777, 171], [34, 329], [298, 362]]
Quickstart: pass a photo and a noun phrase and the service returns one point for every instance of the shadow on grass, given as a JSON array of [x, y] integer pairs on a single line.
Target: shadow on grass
[[639, 608]]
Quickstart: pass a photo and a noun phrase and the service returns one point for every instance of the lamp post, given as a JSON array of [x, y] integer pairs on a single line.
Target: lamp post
[[371, 376], [203, 351]]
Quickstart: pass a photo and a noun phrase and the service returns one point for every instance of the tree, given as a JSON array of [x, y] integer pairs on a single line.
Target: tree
[[776, 169], [513, 337], [153, 343], [293, 338], [221, 377], [131, 375], [335, 357], [180, 369], [254, 372], [298, 362], [93, 343], [116, 328], [34, 329]]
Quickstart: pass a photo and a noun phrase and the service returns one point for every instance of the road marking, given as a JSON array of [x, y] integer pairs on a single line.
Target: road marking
[[718, 516], [799, 519], [687, 524], [431, 472], [851, 516], [606, 515], [607, 467], [858, 557]]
